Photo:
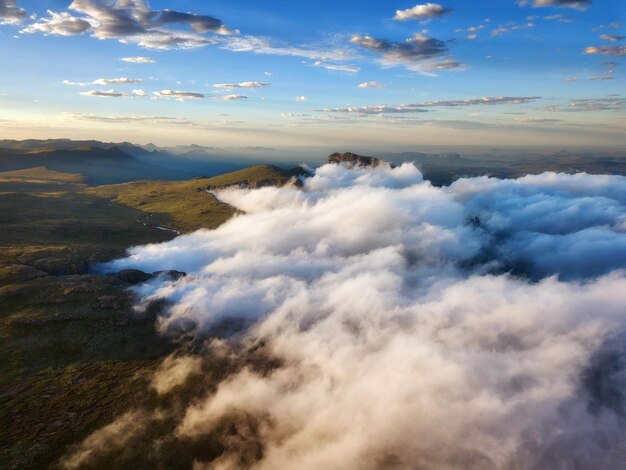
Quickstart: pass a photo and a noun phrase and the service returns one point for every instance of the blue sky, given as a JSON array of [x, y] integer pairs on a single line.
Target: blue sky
[[315, 73]]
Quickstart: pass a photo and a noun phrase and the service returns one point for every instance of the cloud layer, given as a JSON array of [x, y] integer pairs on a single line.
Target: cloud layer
[[409, 326]]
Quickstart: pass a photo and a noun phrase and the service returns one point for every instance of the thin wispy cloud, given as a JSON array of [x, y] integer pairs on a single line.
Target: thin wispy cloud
[[162, 120], [242, 85], [105, 81], [612, 37], [106, 94], [234, 97], [337, 67], [617, 51], [576, 4], [591, 104], [420, 107], [178, 95], [138, 60]]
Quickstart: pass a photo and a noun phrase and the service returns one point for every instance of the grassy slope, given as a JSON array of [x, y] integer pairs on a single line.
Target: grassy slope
[[73, 354], [188, 207]]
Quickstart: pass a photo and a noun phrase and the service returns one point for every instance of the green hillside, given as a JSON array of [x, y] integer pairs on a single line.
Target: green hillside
[[71, 336]]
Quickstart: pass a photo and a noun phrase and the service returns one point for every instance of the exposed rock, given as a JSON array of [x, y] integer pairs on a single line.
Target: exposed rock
[[170, 275], [294, 182], [352, 160], [133, 276], [249, 184]]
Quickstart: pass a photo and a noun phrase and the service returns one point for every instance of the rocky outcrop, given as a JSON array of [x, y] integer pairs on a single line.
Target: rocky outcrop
[[133, 276], [170, 275], [352, 160]]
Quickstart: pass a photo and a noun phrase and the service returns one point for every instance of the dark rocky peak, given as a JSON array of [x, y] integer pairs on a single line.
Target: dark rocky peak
[[352, 160]]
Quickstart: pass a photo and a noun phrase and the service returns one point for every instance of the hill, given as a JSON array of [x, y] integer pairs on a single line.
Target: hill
[[69, 334], [107, 163], [188, 204]]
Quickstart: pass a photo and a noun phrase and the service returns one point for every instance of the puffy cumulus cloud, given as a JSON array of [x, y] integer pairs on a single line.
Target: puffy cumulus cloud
[[178, 95], [576, 4], [10, 13], [59, 24], [617, 51], [420, 106], [138, 60], [372, 84], [479, 325], [422, 12], [301, 98], [132, 21], [418, 53], [242, 85]]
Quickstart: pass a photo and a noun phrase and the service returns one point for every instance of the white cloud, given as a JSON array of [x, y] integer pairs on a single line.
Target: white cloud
[[419, 107], [59, 24], [612, 37], [617, 51], [264, 46], [372, 84], [178, 95], [242, 85], [234, 97], [418, 53], [106, 93], [10, 13], [105, 81], [301, 98], [401, 324], [138, 60], [421, 12], [132, 21], [150, 120], [337, 67], [576, 4]]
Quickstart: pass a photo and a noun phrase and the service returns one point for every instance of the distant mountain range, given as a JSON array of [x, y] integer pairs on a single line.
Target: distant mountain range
[[109, 162], [105, 162]]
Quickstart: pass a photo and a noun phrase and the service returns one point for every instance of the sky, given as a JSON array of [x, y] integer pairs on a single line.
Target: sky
[[302, 73]]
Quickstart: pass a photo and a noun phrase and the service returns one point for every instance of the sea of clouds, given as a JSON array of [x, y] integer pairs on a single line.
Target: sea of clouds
[[480, 325]]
